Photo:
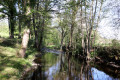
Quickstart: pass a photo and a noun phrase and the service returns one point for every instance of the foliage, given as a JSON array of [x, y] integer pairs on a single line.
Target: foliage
[[116, 43]]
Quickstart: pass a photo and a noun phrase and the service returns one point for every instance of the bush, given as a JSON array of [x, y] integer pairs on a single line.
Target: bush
[[115, 44]]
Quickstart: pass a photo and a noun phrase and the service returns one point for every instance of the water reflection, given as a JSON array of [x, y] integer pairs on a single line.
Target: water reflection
[[61, 67]]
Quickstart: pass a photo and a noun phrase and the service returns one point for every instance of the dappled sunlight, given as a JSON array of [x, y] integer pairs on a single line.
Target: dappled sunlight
[[11, 66], [4, 50]]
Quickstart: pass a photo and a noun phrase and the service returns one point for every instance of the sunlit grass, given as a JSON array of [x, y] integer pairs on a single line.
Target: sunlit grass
[[11, 65], [51, 46], [4, 31]]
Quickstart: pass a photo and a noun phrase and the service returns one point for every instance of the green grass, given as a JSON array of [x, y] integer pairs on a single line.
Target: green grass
[[4, 31], [11, 66], [51, 46]]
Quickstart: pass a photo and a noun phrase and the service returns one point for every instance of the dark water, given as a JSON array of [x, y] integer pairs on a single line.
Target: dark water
[[59, 67]]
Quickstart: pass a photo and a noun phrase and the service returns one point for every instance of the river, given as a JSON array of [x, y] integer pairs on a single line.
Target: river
[[53, 66]]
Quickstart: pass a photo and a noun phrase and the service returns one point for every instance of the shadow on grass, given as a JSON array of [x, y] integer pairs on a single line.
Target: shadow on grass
[[12, 44], [9, 42], [10, 66]]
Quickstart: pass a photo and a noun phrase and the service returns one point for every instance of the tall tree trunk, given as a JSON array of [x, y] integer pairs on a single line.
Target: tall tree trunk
[[19, 29], [24, 44], [12, 23], [86, 40], [12, 26], [62, 38], [43, 25], [71, 34], [41, 36], [25, 38], [9, 26], [19, 20], [83, 44], [35, 32], [87, 49]]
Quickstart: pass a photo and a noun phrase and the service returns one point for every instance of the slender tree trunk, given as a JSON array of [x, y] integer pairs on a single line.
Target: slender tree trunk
[[19, 29], [19, 36], [35, 32], [71, 35], [42, 34], [9, 26], [74, 12], [97, 24], [43, 25], [86, 38], [93, 18], [12, 26], [89, 40], [62, 38], [83, 44], [87, 49], [63, 34]]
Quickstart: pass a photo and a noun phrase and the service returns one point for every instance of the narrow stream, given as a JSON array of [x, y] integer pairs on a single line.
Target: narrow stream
[[59, 67]]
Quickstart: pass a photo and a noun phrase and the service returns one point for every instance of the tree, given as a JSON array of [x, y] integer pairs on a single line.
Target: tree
[[63, 28], [8, 8]]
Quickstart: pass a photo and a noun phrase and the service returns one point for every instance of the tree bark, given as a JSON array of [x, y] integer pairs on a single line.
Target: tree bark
[[83, 44], [9, 26], [63, 34], [71, 34], [35, 32], [19, 36], [41, 36], [62, 38], [24, 44], [19, 29], [12, 26]]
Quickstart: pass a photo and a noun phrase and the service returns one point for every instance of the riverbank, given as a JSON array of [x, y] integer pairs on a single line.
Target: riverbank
[[11, 65], [54, 67]]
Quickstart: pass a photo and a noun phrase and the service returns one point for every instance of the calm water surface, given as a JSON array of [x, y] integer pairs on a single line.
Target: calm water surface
[[59, 67]]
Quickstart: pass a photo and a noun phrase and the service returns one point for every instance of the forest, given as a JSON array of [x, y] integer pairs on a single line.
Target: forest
[[59, 39]]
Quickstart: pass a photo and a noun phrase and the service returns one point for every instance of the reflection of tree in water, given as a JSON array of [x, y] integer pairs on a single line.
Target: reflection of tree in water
[[88, 72], [37, 74], [67, 68], [74, 70]]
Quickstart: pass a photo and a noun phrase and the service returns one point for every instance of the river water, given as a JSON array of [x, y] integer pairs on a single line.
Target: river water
[[60, 67]]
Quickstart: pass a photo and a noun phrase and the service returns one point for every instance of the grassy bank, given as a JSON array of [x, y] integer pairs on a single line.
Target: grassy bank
[[11, 66]]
